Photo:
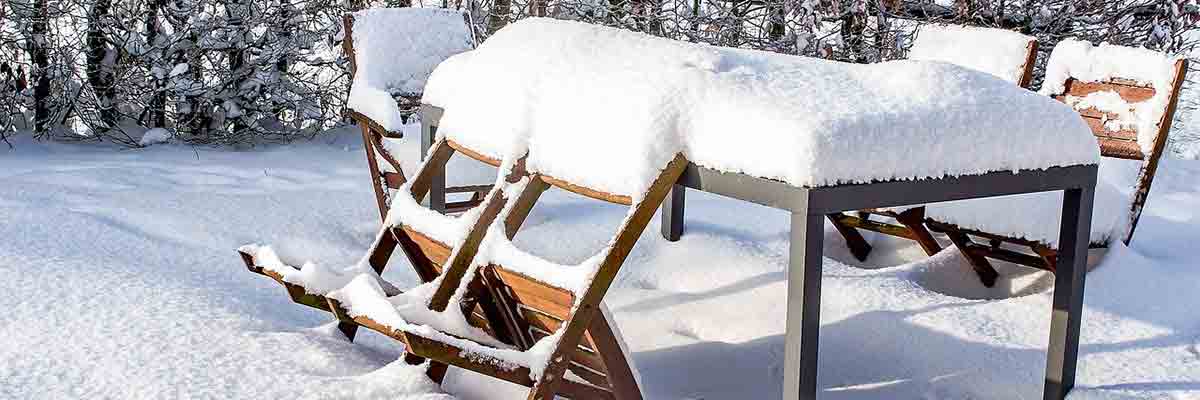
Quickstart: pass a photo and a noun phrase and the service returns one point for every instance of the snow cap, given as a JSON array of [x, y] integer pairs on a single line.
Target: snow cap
[[608, 108]]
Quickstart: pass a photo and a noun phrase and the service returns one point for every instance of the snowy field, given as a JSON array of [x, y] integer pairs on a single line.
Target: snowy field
[[121, 281]]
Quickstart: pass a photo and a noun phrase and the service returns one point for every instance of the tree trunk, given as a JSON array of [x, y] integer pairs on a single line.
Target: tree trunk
[[100, 64], [158, 101], [498, 18], [777, 24], [238, 70], [39, 54]]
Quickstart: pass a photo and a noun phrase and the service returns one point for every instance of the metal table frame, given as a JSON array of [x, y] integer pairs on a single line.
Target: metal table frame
[[808, 207]]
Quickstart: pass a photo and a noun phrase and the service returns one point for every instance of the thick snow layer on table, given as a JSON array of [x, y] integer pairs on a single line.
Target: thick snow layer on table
[[999, 52], [159, 306], [1036, 216], [606, 107], [395, 50], [1083, 61]]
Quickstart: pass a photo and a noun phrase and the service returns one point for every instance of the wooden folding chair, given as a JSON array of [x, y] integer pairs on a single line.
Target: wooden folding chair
[[534, 309], [427, 261], [1116, 144], [514, 309], [387, 174], [909, 222]]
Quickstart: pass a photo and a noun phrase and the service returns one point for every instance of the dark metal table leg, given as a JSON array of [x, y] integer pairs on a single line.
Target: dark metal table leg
[[672, 213], [436, 200], [1074, 236], [803, 306]]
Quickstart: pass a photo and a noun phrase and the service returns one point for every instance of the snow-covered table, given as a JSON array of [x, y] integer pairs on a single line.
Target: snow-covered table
[[604, 106], [810, 205]]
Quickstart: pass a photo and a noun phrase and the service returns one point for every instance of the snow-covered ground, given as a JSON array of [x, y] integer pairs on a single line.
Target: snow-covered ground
[[121, 281]]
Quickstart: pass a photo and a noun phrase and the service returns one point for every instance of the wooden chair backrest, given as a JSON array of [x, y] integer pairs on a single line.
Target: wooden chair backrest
[[374, 134], [1027, 63], [1031, 52], [1123, 143]]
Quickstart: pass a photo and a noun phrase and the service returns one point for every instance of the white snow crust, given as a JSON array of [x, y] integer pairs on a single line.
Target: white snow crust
[[1088, 63], [999, 52], [396, 49], [604, 107]]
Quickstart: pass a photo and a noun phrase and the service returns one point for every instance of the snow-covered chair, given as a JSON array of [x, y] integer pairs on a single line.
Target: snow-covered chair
[[523, 319], [1005, 54], [553, 319], [392, 53], [1128, 97]]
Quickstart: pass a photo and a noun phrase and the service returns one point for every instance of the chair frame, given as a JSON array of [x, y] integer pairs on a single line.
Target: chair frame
[[373, 134], [491, 289], [1122, 145], [910, 223], [582, 319]]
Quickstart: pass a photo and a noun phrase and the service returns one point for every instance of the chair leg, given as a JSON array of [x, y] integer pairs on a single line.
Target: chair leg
[[378, 258], [983, 268], [854, 240], [914, 220], [621, 377], [436, 371]]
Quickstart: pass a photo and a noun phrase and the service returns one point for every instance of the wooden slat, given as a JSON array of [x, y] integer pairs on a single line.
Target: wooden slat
[[477, 156], [581, 391], [433, 249], [1100, 129], [583, 356], [539, 320], [541, 324], [425, 347], [1095, 113], [539, 296], [545, 323], [589, 192], [478, 320], [1130, 93], [590, 376], [469, 189], [1121, 149], [887, 229], [1008, 255]]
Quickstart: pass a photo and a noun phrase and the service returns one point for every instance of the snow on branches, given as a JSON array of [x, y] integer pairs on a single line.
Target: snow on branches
[[241, 71]]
